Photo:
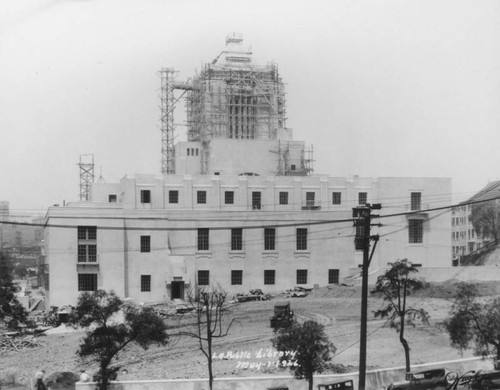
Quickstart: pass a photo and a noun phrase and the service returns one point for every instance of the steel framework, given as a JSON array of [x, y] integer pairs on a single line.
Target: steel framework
[[86, 175]]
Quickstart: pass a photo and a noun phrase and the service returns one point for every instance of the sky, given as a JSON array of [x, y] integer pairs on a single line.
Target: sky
[[378, 87]]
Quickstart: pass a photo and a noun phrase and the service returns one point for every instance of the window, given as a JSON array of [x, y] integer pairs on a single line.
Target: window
[[145, 196], [292, 167], [87, 282], [333, 276], [269, 239], [112, 198], [173, 196], [269, 276], [301, 276], [87, 232], [256, 197], [229, 197], [310, 198], [188, 151], [203, 278], [145, 283], [362, 198], [201, 197], [336, 198], [237, 239], [416, 198], [301, 239], [197, 151], [87, 248], [203, 239], [145, 244], [87, 253], [415, 231], [236, 277], [283, 197]]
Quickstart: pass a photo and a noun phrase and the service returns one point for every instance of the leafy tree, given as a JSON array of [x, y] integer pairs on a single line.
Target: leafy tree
[[485, 218], [11, 311], [21, 270], [141, 325], [311, 344], [473, 322], [395, 285], [211, 308]]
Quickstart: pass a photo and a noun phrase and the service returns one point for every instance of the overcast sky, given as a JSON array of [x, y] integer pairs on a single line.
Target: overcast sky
[[379, 88]]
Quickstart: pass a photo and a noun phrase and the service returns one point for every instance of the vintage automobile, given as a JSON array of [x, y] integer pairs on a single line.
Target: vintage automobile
[[342, 385], [423, 380], [283, 316], [485, 380]]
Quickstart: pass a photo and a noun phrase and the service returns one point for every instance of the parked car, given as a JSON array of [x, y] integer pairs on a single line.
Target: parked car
[[342, 385], [485, 380], [283, 316], [423, 380]]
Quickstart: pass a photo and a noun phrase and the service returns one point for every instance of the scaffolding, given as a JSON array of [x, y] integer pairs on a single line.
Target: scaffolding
[[230, 98], [287, 165], [86, 175]]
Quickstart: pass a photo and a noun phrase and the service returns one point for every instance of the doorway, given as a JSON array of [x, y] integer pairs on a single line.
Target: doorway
[[177, 289]]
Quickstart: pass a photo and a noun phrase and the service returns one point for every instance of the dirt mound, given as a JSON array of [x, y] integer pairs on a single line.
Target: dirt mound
[[449, 288]]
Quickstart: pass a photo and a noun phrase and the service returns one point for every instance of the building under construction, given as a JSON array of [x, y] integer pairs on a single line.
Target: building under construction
[[236, 119]]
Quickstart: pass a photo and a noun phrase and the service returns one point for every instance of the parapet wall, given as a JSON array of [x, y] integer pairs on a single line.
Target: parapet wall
[[375, 380]]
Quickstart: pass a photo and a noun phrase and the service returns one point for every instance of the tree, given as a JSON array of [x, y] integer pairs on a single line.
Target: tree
[[211, 308], [395, 285], [140, 325], [311, 345], [11, 311], [473, 322], [485, 218]]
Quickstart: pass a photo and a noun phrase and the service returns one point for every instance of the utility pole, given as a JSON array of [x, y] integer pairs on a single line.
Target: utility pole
[[362, 221]]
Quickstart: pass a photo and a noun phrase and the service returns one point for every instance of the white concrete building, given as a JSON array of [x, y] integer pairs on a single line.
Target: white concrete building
[[241, 208], [151, 237]]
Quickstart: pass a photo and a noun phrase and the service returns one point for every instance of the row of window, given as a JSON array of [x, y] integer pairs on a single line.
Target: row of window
[[201, 198], [237, 239], [269, 277], [469, 234], [88, 281], [87, 248], [455, 221]]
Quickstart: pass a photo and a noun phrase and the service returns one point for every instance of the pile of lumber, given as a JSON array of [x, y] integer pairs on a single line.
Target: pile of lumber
[[16, 343]]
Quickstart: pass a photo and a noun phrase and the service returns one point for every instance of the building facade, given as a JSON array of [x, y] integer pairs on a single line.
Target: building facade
[[153, 237], [465, 239]]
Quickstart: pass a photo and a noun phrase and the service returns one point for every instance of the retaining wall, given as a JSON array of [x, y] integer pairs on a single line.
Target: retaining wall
[[375, 380]]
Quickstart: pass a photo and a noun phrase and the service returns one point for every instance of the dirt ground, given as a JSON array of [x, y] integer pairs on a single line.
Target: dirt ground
[[249, 340]]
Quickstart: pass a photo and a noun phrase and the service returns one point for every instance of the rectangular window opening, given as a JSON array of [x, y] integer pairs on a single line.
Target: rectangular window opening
[[256, 200], [283, 197], [301, 239], [201, 197], [269, 239], [237, 239], [203, 278], [336, 198], [145, 196], [229, 197], [236, 277], [145, 244], [269, 276], [301, 276], [145, 283], [87, 282], [173, 196], [416, 231], [203, 239]]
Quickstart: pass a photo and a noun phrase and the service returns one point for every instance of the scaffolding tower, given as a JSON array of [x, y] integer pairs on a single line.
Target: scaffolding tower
[[86, 175], [230, 98]]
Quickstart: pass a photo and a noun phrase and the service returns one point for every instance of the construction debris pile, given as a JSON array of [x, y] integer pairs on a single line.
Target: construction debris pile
[[16, 343]]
